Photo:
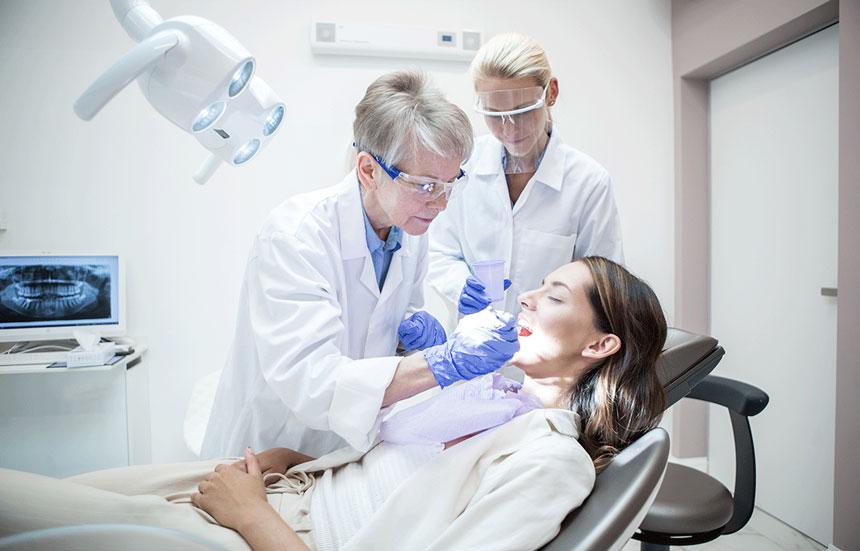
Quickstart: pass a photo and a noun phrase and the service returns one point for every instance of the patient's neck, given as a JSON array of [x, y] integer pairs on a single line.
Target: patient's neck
[[552, 392]]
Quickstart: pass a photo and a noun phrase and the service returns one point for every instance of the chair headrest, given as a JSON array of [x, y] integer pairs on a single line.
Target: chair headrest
[[681, 351]]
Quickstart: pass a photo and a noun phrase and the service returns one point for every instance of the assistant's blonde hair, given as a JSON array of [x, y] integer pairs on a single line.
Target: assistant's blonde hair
[[511, 55]]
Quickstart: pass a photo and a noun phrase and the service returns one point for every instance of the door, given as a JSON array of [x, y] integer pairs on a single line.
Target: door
[[773, 248]]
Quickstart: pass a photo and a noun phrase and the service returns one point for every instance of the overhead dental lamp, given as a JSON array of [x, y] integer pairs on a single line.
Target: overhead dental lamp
[[199, 77]]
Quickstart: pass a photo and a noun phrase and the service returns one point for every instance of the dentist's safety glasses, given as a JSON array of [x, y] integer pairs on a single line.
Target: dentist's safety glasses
[[429, 188], [517, 118]]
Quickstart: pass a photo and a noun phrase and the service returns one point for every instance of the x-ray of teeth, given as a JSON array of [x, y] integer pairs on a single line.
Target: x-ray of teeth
[[54, 292]]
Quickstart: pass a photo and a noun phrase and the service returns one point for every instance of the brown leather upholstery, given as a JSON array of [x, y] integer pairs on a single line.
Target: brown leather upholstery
[[682, 350], [689, 502]]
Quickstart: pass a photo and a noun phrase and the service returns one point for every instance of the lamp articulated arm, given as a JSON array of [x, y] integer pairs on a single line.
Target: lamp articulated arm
[[137, 17], [127, 68]]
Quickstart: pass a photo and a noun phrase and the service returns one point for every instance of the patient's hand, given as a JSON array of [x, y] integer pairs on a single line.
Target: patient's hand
[[275, 460], [234, 497]]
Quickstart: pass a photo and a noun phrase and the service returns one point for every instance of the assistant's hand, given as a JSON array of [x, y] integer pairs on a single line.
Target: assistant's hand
[[482, 343], [420, 330], [231, 495], [473, 297]]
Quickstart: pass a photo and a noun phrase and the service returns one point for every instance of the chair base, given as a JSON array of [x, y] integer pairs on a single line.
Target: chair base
[[656, 541]]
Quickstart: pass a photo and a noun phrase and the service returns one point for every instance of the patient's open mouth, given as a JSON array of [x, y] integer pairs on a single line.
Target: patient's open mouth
[[525, 330]]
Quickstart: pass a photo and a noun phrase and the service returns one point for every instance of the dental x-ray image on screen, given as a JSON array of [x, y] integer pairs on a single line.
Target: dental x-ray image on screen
[[44, 291]]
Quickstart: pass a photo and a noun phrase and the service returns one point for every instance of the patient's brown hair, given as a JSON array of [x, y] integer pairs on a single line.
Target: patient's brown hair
[[620, 398]]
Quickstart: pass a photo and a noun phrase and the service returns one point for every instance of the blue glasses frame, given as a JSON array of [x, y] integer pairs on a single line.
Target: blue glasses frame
[[394, 172]]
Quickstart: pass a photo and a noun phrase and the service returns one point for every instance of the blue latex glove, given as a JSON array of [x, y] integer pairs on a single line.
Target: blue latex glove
[[473, 297], [481, 344], [420, 330]]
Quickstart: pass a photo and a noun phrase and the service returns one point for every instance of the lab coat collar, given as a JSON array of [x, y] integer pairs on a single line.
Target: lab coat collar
[[550, 172], [489, 163], [374, 243], [551, 169], [351, 219], [353, 240]]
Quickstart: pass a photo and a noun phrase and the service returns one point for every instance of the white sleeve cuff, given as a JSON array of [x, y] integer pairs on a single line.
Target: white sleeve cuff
[[355, 407]]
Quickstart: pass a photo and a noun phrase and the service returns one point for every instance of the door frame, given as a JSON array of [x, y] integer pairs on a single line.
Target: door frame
[[709, 39]]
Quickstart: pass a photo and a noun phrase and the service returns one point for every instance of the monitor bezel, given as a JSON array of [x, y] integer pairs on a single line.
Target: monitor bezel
[[66, 332]]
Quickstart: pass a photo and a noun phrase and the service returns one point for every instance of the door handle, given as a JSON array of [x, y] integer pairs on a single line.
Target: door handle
[[828, 291]]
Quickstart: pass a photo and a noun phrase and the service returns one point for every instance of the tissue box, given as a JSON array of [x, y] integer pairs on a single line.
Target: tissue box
[[99, 355]]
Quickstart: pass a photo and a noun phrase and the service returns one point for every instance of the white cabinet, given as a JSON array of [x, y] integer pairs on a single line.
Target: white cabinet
[[61, 422]]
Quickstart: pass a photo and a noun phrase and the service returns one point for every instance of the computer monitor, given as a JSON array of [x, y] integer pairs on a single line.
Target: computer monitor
[[47, 297]]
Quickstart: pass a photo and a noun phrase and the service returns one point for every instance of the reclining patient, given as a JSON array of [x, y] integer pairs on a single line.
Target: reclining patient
[[487, 464]]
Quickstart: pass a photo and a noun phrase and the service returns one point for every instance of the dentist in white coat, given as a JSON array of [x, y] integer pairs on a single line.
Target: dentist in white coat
[[529, 199], [331, 281]]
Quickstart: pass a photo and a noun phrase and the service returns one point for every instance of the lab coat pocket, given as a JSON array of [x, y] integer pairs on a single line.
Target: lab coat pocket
[[541, 253]]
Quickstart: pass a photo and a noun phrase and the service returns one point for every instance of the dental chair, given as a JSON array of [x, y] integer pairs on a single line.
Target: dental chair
[[127, 537]]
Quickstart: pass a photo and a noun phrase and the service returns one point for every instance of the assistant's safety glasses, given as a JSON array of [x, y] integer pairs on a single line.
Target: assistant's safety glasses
[[507, 104], [431, 188]]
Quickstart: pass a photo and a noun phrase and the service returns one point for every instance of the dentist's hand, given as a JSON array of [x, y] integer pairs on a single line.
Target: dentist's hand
[[481, 344], [420, 330], [473, 297]]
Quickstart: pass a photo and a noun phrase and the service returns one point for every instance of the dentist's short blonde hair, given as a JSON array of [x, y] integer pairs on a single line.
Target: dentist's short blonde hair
[[511, 55], [402, 111]]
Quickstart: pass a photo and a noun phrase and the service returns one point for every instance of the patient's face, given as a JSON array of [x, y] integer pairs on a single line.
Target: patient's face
[[556, 323]]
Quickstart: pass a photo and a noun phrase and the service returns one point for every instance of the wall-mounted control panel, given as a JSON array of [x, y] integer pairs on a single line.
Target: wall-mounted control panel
[[360, 39]]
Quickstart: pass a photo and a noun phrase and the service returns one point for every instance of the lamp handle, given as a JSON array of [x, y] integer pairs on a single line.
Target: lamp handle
[[207, 169], [127, 68]]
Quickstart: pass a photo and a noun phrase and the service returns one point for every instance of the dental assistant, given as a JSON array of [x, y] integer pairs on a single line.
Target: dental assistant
[[331, 281], [529, 199]]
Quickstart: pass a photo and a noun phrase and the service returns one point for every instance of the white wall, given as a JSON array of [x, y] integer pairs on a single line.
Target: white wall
[[123, 181]]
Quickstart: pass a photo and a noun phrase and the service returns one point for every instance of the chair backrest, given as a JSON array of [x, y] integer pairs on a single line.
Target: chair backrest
[[127, 537], [687, 358], [622, 494]]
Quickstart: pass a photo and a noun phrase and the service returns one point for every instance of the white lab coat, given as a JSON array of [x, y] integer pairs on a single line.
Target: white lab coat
[[315, 341], [567, 211]]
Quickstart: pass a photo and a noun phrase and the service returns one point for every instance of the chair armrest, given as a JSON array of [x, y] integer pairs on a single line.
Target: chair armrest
[[742, 401], [738, 397]]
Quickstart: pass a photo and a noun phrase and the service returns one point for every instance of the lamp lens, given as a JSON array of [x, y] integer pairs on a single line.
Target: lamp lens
[[240, 78], [246, 151], [207, 117], [273, 121]]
